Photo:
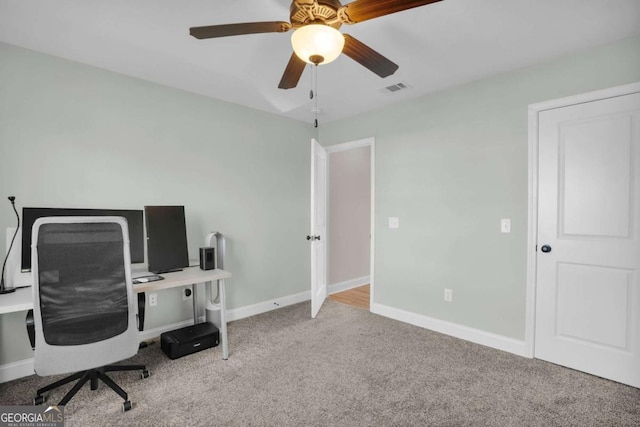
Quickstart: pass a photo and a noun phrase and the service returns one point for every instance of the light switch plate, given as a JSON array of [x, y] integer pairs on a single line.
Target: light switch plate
[[505, 225], [394, 222]]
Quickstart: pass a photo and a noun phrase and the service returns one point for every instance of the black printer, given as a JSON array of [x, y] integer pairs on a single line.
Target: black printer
[[189, 340]]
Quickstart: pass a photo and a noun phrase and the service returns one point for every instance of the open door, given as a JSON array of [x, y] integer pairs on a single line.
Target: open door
[[318, 234]]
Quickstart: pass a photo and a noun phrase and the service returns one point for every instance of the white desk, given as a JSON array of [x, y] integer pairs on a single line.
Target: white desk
[[22, 298]]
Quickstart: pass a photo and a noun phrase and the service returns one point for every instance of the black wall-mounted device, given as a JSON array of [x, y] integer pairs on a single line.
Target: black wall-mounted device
[[207, 258]]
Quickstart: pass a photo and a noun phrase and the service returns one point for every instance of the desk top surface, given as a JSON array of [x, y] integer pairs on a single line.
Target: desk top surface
[[22, 298], [188, 276]]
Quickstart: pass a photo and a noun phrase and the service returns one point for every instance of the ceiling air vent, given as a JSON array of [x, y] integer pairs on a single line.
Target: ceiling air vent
[[395, 88]]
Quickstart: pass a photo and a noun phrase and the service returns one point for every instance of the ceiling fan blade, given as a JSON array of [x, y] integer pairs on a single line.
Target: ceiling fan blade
[[292, 73], [362, 10], [225, 30], [367, 57]]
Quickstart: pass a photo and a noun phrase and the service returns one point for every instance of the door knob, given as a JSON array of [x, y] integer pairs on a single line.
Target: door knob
[[545, 248], [313, 237]]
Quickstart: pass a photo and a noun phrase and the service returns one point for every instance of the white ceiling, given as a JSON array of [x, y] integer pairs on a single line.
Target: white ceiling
[[436, 46]]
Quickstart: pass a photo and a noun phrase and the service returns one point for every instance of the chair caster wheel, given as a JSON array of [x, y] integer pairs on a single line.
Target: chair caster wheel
[[39, 400], [145, 374], [126, 406]]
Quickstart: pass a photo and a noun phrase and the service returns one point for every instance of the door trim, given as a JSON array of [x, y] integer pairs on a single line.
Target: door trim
[[371, 142], [532, 225]]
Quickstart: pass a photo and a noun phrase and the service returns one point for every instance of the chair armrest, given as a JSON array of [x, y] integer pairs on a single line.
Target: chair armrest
[[31, 329]]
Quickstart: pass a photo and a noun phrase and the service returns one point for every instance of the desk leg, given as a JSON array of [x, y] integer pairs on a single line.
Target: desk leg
[[141, 306], [223, 319], [194, 300]]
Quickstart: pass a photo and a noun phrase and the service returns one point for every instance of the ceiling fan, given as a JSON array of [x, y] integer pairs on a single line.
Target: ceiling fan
[[316, 39]]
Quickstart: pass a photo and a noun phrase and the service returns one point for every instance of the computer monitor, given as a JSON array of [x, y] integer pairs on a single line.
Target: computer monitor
[[134, 222], [166, 238]]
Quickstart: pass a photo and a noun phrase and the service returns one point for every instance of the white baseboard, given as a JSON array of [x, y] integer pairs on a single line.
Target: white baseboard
[[348, 284], [14, 370], [234, 314], [23, 368], [477, 336], [263, 307]]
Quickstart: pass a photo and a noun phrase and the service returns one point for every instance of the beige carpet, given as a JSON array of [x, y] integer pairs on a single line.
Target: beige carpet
[[348, 367]]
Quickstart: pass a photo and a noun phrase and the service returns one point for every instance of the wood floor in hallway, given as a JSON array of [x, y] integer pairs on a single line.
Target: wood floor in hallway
[[356, 297]]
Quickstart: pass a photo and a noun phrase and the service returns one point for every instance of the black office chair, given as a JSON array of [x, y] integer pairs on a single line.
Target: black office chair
[[84, 309]]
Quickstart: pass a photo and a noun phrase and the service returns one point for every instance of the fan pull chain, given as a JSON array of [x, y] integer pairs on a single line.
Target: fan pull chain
[[315, 77], [311, 90]]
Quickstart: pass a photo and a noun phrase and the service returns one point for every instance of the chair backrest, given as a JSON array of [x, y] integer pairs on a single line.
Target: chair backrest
[[83, 303]]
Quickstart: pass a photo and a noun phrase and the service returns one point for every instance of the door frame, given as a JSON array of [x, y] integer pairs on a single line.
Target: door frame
[[532, 226], [365, 142]]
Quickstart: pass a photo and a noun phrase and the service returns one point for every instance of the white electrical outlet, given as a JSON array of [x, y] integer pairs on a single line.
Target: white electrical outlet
[[153, 300], [448, 295]]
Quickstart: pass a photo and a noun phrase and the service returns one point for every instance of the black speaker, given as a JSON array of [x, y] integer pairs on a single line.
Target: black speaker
[[207, 258]]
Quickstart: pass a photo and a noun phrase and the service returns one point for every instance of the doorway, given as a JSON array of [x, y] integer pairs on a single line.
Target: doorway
[[358, 297], [350, 222]]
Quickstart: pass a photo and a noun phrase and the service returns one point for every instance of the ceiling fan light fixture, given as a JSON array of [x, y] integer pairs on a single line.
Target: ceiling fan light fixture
[[317, 43]]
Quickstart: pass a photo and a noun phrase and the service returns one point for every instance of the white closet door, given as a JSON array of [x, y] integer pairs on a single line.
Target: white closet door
[[588, 285]]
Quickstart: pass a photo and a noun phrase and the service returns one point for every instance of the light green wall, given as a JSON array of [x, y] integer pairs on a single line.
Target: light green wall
[[76, 136], [450, 166]]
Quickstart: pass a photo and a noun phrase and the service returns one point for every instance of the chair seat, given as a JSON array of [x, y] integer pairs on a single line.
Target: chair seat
[[87, 329]]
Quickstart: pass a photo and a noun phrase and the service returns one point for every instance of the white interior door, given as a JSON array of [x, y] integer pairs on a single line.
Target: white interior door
[[588, 259], [318, 234]]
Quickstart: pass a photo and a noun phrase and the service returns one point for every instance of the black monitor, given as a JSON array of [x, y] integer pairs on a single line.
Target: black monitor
[[134, 221], [166, 238]]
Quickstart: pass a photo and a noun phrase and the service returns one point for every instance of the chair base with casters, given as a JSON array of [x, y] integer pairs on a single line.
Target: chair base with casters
[[92, 375]]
